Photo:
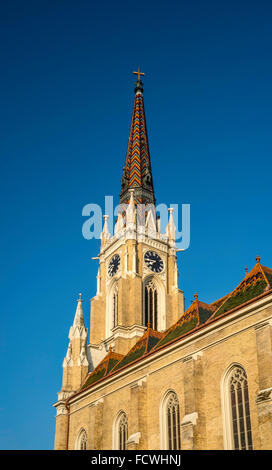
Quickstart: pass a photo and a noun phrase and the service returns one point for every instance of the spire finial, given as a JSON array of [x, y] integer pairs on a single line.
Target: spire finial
[[196, 296], [139, 73], [258, 259], [79, 318], [246, 269], [139, 83]]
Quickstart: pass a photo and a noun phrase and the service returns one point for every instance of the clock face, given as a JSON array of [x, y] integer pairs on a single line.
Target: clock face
[[153, 261], [114, 265]]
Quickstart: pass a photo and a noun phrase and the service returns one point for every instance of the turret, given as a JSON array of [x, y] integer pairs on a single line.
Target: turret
[[75, 364], [75, 370]]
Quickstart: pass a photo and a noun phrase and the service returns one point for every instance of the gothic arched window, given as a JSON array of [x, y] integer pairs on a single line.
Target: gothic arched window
[[240, 413], [82, 440], [115, 305], [238, 434], [151, 305], [170, 422], [122, 432], [173, 422]]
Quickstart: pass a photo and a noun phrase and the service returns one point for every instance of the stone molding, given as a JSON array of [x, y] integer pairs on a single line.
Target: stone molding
[[139, 383], [262, 325], [187, 430], [134, 438], [190, 419], [60, 405], [264, 395]]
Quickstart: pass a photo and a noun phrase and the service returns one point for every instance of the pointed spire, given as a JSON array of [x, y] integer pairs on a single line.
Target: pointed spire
[[151, 223], [137, 170], [119, 223], [79, 319], [78, 329], [75, 364], [131, 210], [171, 228], [105, 235], [68, 361]]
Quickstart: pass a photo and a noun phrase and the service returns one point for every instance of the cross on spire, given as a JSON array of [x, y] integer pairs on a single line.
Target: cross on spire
[[139, 73]]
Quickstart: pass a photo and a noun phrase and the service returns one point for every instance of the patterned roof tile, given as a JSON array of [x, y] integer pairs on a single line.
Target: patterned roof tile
[[103, 368], [141, 348], [255, 283], [137, 172]]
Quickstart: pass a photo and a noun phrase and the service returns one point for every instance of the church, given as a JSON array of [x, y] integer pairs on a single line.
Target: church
[[154, 375]]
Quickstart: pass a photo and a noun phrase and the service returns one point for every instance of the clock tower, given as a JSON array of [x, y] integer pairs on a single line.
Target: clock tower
[[137, 280]]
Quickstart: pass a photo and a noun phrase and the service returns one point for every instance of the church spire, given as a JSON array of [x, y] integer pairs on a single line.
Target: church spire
[[137, 173]]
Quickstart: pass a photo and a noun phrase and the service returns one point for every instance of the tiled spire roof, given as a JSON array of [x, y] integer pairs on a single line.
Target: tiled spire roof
[[137, 173]]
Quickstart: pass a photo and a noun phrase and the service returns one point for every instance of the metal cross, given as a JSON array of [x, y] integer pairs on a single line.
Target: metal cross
[[139, 73]]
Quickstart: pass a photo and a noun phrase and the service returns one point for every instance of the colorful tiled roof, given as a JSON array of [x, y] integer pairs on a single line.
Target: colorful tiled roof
[[198, 313], [257, 281], [137, 173], [219, 302], [141, 348], [103, 368]]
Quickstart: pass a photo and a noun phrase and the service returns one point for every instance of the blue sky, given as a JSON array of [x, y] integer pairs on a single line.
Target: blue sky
[[66, 102]]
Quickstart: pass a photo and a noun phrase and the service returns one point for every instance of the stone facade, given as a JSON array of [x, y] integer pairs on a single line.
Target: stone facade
[[144, 347], [194, 368]]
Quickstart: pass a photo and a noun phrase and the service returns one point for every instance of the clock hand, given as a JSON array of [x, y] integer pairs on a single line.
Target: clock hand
[[151, 262]]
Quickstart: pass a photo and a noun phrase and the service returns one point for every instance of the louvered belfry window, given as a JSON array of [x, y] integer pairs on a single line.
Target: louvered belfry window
[[240, 412]]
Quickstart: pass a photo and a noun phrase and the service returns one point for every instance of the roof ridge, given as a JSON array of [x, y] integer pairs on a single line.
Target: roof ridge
[[266, 267], [107, 363], [155, 333], [220, 299], [205, 303], [196, 302], [147, 337], [257, 268], [248, 275], [261, 268], [185, 316]]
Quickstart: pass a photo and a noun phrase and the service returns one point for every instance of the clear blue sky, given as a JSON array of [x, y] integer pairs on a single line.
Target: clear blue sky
[[66, 102]]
